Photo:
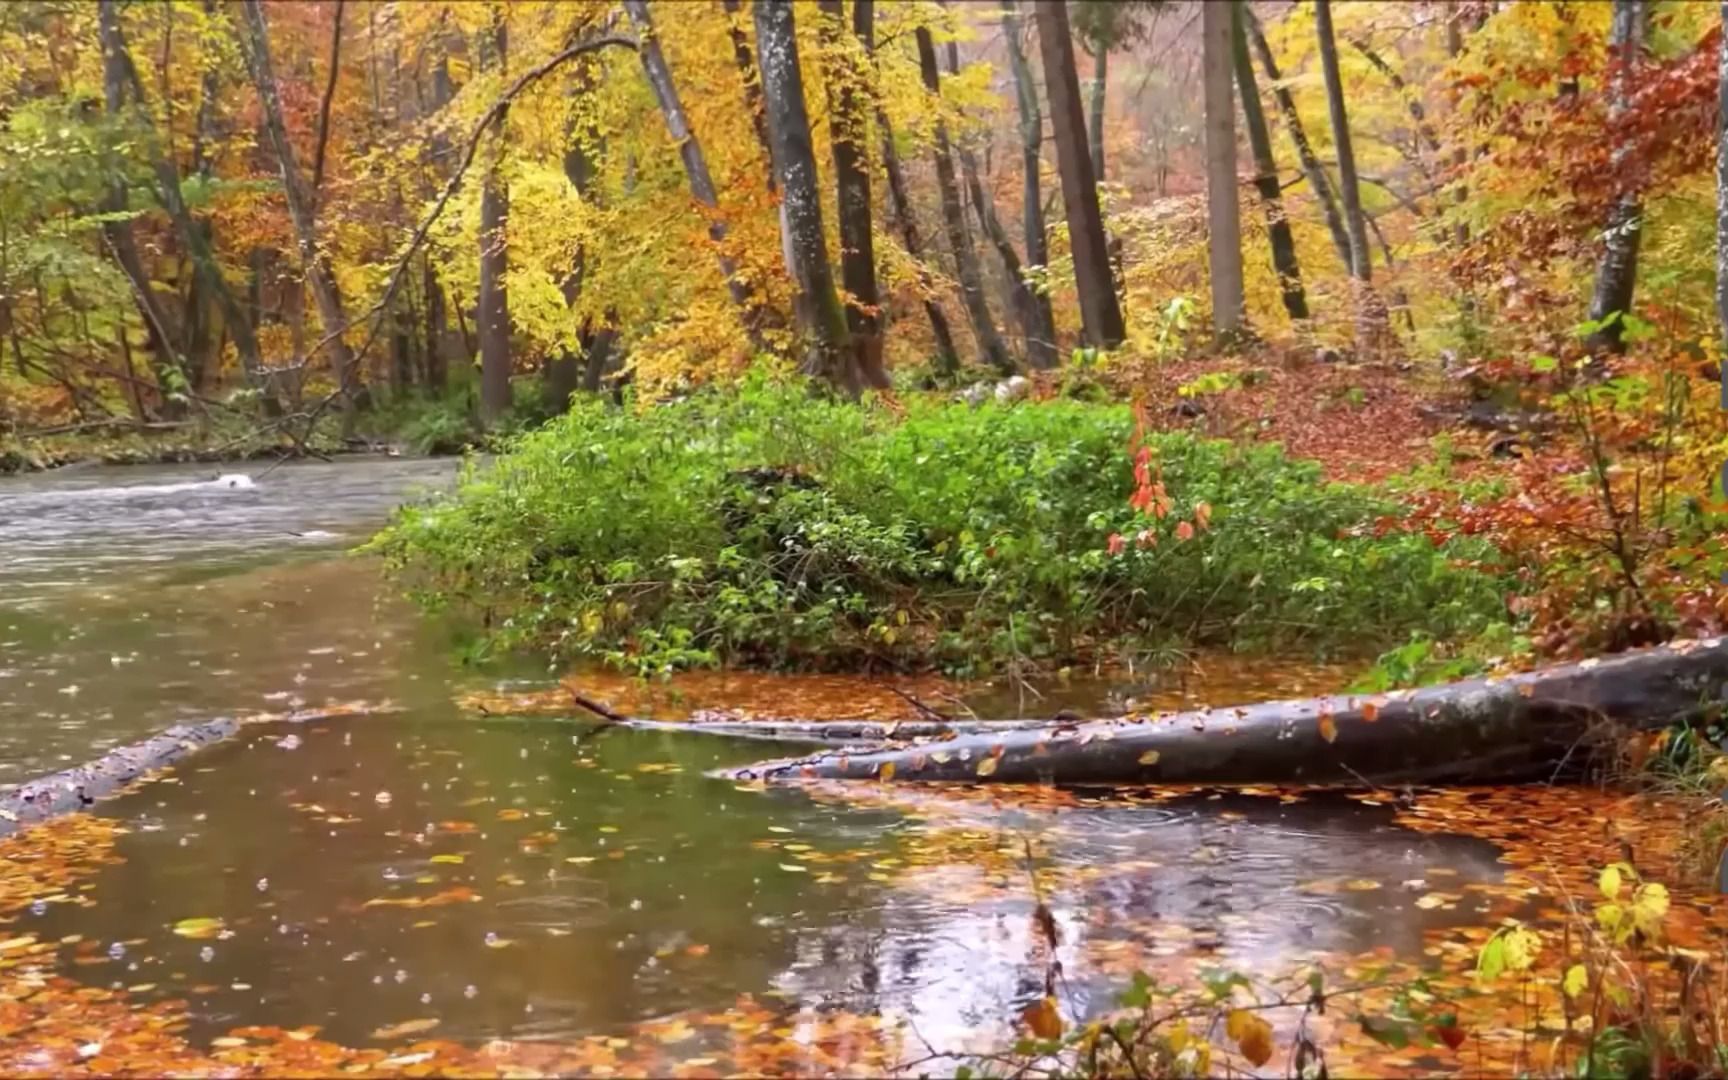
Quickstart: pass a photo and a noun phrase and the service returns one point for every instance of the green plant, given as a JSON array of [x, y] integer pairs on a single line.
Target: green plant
[[766, 526]]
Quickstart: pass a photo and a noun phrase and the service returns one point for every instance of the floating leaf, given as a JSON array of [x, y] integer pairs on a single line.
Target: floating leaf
[[406, 1027], [1430, 901], [449, 858], [794, 868], [198, 928], [986, 767]]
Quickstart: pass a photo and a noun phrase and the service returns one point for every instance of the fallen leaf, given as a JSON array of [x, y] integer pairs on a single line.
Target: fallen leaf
[[406, 1027], [1252, 1035], [1328, 727], [1043, 1018], [1150, 757], [198, 928], [986, 767]]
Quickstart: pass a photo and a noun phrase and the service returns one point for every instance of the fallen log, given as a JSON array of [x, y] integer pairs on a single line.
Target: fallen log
[[77, 788], [1533, 726]]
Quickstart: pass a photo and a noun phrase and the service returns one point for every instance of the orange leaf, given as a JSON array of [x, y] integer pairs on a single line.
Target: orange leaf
[[1328, 727], [1370, 711], [886, 772], [1043, 1018]]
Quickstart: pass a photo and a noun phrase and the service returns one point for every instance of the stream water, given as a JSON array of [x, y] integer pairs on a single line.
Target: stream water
[[513, 877]]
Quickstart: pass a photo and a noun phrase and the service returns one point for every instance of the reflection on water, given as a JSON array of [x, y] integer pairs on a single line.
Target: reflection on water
[[523, 880], [528, 878], [132, 599]]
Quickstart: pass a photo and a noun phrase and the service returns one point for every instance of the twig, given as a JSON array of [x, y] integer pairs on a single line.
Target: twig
[[927, 711], [602, 711]]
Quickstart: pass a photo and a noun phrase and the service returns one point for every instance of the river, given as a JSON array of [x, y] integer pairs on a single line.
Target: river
[[511, 877]]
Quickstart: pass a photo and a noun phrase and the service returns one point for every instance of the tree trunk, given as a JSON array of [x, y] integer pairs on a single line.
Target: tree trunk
[[1223, 212], [1095, 109], [1040, 348], [849, 140], [1100, 312], [1722, 217], [492, 307], [966, 269], [1373, 328], [437, 310], [947, 356], [194, 235], [1266, 168], [822, 317], [1617, 273], [746, 64], [1318, 181], [316, 265], [164, 336], [695, 165], [1533, 726]]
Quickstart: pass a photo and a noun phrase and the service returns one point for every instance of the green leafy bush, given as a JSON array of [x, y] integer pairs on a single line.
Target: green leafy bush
[[766, 526]]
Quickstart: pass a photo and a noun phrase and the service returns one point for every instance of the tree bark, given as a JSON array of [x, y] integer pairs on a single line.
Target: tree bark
[[437, 311], [1318, 181], [819, 309], [1095, 111], [1284, 259], [492, 307], [966, 269], [1100, 311], [255, 43], [1373, 324], [1617, 273], [1223, 211], [1533, 726], [849, 134], [695, 165], [1040, 348]]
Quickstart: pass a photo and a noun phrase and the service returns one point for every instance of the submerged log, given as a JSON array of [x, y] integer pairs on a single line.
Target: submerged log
[[793, 729], [1533, 726], [76, 788]]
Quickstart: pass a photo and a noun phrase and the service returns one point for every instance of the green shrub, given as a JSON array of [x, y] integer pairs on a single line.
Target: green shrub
[[766, 526]]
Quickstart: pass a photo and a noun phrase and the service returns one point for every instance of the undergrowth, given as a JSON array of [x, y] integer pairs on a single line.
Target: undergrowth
[[765, 526]]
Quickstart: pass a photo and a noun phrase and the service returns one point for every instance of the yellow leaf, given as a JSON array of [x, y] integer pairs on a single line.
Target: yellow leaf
[[448, 858], [1649, 905], [406, 1027], [886, 773], [1431, 900], [1252, 1035], [199, 928], [1522, 947], [986, 767], [1150, 757], [794, 868], [1043, 1017], [1575, 981], [1328, 727], [1609, 881]]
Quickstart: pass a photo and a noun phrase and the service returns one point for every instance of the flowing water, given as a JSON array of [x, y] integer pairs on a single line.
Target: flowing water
[[526, 878]]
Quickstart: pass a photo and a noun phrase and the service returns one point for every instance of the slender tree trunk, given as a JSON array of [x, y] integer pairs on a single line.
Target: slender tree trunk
[[437, 312], [849, 140], [1095, 125], [966, 269], [1617, 273], [318, 273], [163, 334], [1722, 216], [1040, 348], [746, 62], [1373, 330], [820, 311], [695, 165], [324, 105], [947, 356], [1318, 181], [1266, 168], [194, 235], [492, 308], [1223, 212], [1100, 312]]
